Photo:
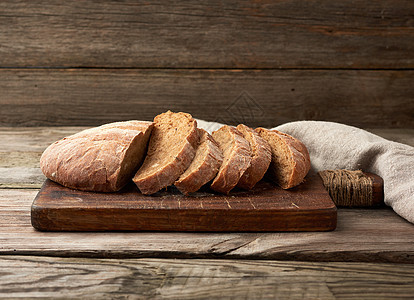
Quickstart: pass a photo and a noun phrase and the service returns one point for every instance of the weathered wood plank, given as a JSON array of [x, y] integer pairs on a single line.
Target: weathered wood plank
[[255, 97], [21, 177], [220, 34], [201, 279], [33, 140], [20, 152], [357, 238]]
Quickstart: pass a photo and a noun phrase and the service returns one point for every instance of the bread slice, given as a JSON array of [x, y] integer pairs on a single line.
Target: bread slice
[[237, 158], [170, 151], [261, 157], [100, 159], [204, 167], [290, 158]]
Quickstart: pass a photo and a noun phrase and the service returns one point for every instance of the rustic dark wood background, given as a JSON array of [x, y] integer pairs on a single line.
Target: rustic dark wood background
[[258, 62]]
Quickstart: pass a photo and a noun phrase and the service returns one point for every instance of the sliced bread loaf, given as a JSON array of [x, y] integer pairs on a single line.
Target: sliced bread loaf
[[204, 167], [237, 158], [290, 158], [170, 151], [261, 157], [100, 159]]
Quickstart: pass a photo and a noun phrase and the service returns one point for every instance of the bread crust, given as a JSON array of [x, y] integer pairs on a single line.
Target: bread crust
[[261, 157], [236, 159], [201, 171], [298, 153], [97, 159], [167, 173]]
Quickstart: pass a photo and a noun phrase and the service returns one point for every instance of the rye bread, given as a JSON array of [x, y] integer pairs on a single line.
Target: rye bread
[[204, 167], [261, 157], [290, 158], [237, 158], [100, 159], [170, 151]]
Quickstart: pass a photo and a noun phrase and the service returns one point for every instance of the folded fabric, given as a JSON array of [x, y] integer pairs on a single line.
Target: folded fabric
[[338, 146]]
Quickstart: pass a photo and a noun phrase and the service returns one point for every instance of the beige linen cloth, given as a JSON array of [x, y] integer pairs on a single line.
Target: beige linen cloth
[[338, 146]]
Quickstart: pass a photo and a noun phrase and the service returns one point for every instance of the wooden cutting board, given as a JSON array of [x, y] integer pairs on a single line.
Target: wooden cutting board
[[267, 207]]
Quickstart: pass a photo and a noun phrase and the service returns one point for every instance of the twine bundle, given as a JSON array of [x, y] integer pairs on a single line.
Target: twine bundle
[[348, 188]]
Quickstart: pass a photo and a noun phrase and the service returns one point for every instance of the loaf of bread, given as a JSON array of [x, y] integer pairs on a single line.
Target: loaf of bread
[[100, 159], [171, 149], [204, 167], [237, 158], [261, 157], [290, 158]]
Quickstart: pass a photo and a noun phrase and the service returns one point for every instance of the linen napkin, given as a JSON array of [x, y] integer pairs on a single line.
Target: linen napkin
[[338, 146]]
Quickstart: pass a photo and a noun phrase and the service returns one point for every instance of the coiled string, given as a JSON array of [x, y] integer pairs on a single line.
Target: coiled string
[[348, 188]]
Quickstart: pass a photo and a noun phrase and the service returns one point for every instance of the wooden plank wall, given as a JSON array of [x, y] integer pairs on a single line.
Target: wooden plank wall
[[258, 62]]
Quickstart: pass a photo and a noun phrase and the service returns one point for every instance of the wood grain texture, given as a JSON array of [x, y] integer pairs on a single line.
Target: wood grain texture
[[254, 97], [267, 207], [20, 153], [201, 279], [30, 140], [220, 34], [358, 238]]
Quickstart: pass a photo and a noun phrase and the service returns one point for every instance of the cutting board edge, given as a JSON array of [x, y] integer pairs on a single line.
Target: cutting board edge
[[200, 221], [50, 213]]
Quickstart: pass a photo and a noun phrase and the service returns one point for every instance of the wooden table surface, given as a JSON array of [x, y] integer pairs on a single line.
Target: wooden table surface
[[369, 255]]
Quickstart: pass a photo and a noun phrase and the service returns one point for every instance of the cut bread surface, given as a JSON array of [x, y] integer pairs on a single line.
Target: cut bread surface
[[100, 159], [204, 167], [170, 152], [261, 157], [237, 157], [290, 158]]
